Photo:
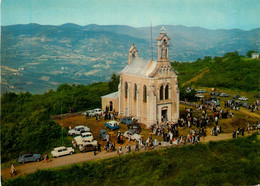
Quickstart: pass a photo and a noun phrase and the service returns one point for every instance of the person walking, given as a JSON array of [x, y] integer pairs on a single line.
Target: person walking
[[12, 171]]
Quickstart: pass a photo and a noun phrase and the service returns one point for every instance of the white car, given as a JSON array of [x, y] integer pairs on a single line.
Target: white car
[[88, 113], [95, 112], [87, 143], [243, 98], [133, 136], [78, 129], [62, 151], [78, 140]]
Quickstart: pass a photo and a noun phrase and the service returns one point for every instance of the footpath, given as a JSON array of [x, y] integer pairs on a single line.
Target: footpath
[[28, 168]]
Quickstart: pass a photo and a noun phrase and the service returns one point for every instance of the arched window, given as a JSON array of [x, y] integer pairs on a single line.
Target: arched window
[[126, 89], [167, 92], [144, 94], [135, 91], [161, 92]]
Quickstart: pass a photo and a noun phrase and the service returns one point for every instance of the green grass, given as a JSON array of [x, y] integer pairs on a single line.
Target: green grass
[[232, 162], [229, 72]]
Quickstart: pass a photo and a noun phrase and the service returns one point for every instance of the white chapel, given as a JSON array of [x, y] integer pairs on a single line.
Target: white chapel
[[148, 90]]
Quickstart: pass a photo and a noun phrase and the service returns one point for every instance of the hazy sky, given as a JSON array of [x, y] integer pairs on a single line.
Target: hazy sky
[[212, 14]]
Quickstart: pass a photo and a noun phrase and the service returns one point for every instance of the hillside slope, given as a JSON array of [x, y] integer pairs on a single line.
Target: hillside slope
[[202, 164], [230, 72], [43, 56]]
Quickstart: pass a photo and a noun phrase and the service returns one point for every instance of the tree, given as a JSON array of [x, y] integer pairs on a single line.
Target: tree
[[113, 84], [249, 53], [207, 58]]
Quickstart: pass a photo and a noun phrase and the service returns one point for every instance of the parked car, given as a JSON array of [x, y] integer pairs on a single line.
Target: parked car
[[199, 96], [217, 93], [29, 157], [95, 112], [88, 113], [238, 103], [243, 98], [87, 143], [133, 136], [136, 127], [201, 91], [113, 125], [223, 95], [214, 102], [236, 96], [78, 140], [257, 96], [62, 151], [87, 147], [126, 120], [78, 130], [230, 101], [245, 104], [102, 134]]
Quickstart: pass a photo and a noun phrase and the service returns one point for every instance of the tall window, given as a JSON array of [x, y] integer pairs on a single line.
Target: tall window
[[135, 91], [144, 94], [126, 89], [167, 92], [161, 92]]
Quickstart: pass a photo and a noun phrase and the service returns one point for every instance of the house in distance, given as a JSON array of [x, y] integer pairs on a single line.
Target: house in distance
[[148, 90]]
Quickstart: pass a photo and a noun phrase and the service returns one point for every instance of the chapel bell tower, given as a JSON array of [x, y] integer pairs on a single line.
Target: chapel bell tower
[[163, 45], [132, 53]]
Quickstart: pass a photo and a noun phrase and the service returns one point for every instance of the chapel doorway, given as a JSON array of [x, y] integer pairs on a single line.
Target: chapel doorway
[[164, 115], [111, 105]]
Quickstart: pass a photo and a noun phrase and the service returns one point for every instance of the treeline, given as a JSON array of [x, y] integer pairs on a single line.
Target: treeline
[[230, 71], [232, 162], [25, 118]]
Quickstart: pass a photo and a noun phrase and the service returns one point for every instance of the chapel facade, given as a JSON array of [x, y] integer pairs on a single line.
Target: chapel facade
[[148, 90]]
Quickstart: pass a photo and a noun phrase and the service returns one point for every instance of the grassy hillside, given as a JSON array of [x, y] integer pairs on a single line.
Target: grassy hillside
[[25, 118], [229, 72], [233, 162]]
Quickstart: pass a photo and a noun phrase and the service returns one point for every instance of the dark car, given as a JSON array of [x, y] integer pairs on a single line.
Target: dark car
[[236, 96], [238, 103], [102, 134], [245, 104], [136, 127], [224, 95], [86, 148], [231, 101], [29, 157], [257, 96], [126, 120]]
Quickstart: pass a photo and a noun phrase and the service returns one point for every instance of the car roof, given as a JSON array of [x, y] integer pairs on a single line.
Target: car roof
[[128, 117], [58, 148], [113, 122], [86, 133], [79, 126]]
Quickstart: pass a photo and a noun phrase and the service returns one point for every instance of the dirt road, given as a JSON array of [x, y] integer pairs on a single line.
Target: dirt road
[[82, 157]]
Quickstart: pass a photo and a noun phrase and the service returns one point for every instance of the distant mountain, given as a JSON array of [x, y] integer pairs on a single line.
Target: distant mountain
[[39, 57]]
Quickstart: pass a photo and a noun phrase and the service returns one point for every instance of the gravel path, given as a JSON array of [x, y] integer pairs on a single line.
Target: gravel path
[[82, 157]]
